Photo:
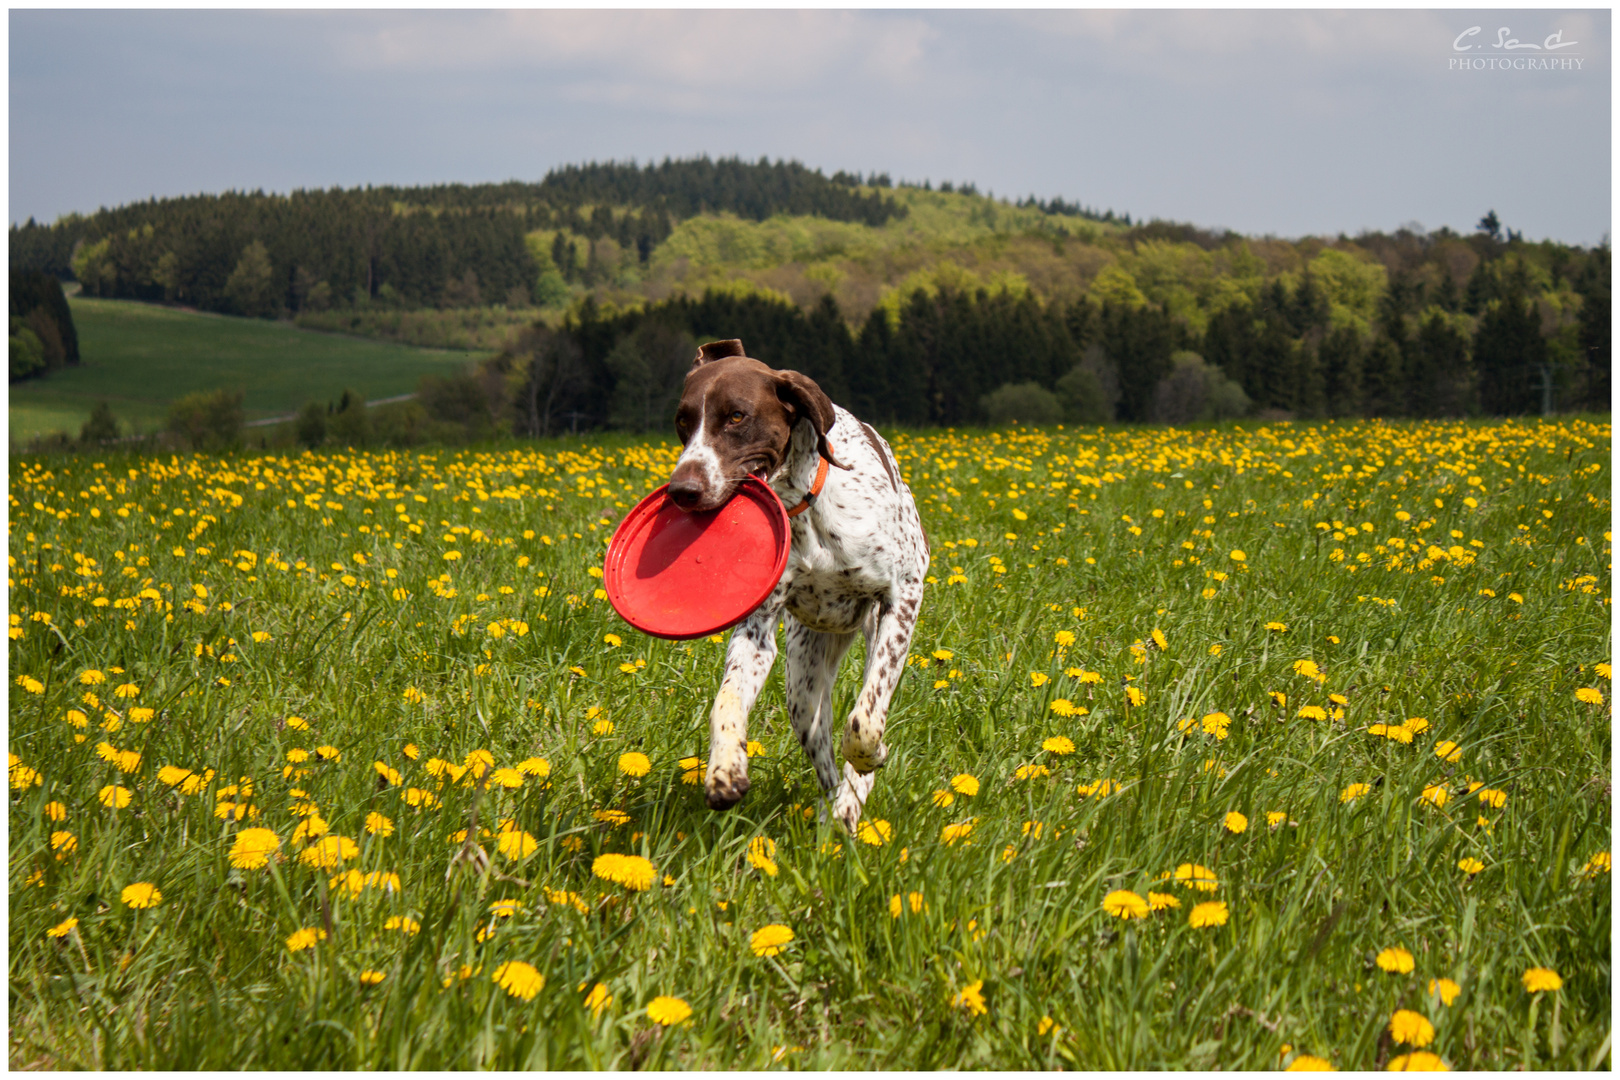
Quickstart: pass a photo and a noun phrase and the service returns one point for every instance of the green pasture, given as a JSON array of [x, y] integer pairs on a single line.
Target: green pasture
[[139, 357], [1247, 748]]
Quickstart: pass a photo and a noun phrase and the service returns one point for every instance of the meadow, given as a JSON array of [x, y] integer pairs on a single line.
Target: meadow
[[1253, 747], [139, 357]]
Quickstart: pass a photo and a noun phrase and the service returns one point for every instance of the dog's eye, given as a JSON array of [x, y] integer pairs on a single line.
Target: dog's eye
[[737, 417]]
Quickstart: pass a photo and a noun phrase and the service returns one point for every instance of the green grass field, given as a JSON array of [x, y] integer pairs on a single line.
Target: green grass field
[[139, 357], [1242, 749]]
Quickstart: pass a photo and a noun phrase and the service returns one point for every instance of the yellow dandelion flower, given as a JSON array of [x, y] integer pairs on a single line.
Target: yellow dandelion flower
[[667, 1010], [1134, 695], [877, 833], [517, 844], [55, 811], [1418, 1061], [1395, 960], [1198, 877], [379, 824], [1039, 678], [519, 979], [142, 894], [1278, 627], [631, 871], [770, 940], [965, 783], [1029, 772], [304, 939], [114, 797], [635, 763], [1209, 913], [1058, 744], [598, 999], [64, 843], [1448, 751], [971, 999], [1158, 639], [1447, 990], [536, 766], [62, 929], [1598, 864], [1238, 556], [950, 834], [1158, 901], [329, 852], [253, 848], [1235, 823], [1470, 866], [942, 798], [1312, 712], [1353, 792], [1411, 1028], [1125, 904], [1538, 979], [1310, 1063]]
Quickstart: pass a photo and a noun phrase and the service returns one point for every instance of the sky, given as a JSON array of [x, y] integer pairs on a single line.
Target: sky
[[1284, 123]]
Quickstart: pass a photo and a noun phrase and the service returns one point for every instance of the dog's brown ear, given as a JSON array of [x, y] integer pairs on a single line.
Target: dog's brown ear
[[718, 350], [801, 397]]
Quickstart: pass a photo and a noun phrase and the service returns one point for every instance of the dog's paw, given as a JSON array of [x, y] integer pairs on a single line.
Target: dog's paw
[[863, 757], [722, 793]]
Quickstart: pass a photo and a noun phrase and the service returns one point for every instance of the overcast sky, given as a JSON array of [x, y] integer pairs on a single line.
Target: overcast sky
[[1280, 122]]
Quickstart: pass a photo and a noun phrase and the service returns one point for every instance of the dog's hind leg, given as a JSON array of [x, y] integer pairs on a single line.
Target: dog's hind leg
[[749, 657], [812, 668], [886, 646]]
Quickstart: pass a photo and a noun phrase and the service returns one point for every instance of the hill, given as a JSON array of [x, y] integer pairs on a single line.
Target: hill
[[139, 357]]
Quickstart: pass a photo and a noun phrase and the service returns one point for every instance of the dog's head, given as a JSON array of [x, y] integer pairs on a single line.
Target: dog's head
[[736, 418]]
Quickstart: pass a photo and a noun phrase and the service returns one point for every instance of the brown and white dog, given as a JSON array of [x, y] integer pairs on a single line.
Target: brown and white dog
[[858, 561]]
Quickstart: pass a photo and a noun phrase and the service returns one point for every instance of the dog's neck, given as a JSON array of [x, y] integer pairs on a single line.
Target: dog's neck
[[797, 472]]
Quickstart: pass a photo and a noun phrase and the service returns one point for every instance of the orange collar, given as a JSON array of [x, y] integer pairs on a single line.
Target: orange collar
[[809, 499]]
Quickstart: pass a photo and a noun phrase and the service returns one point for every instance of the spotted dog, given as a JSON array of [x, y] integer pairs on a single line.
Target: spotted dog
[[858, 560]]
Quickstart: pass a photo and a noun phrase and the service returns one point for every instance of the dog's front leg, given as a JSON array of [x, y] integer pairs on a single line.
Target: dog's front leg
[[748, 661], [886, 646]]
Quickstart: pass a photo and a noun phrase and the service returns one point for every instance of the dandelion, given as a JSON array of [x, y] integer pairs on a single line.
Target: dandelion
[[877, 833], [1235, 823], [92, 677], [667, 1010], [63, 928], [942, 798], [329, 852], [770, 940], [1597, 864], [1158, 901], [1470, 866], [403, 923], [1209, 913], [1029, 772], [1198, 877], [971, 999], [519, 979], [1312, 712], [1419, 1061], [635, 763], [304, 939], [516, 844], [142, 894], [1134, 695], [598, 999], [762, 854], [1435, 795], [127, 690], [1411, 1028], [1279, 699], [114, 797], [1395, 960], [1124, 904], [506, 778], [1277, 627], [1275, 818], [55, 811], [1039, 678], [536, 766], [1216, 724], [253, 848], [372, 978], [1417, 725], [965, 783], [1447, 990], [1353, 792], [1238, 556], [950, 834], [64, 843], [1493, 798], [1538, 979], [1058, 744], [1448, 751], [631, 871], [1310, 1063]]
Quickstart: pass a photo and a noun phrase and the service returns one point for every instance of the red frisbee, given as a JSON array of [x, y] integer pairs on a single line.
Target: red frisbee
[[674, 574]]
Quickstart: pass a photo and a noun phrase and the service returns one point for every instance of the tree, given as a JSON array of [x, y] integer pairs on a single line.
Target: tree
[[1491, 226], [207, 420], [27, 353], [1339, 358], [310, 426], [101, 428], [1196, 391], [1089, 391], [251, 286], [1594, 335], [1022, 403], [1510, 356], [349, 425]]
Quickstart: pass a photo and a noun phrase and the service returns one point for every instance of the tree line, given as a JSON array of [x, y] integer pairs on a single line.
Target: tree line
[[443, 246]]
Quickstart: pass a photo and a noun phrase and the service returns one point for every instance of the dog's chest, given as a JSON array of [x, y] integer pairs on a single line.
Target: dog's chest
[[832, 578]]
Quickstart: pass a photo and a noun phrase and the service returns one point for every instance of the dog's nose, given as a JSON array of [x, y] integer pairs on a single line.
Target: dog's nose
[[686, 492]]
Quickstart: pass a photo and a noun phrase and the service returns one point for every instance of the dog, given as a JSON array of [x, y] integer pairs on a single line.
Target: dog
[[858, 561]]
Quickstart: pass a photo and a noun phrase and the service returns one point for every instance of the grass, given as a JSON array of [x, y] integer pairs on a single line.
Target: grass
[[139, 357], [325, 641]]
